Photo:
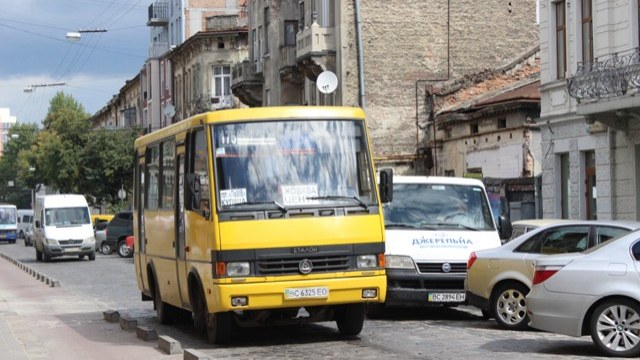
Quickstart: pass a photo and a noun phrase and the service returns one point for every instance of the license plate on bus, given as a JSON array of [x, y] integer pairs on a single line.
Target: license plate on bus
[[318, 292], [447, 297]]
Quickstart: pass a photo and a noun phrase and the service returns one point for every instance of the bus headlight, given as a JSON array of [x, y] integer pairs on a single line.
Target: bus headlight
[[366, 262], [238, 269], [399, 262]]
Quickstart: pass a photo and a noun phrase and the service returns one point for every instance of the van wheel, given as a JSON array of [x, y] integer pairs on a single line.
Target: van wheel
[[92, 256], [350, 319], [38, 255], [45, 257]]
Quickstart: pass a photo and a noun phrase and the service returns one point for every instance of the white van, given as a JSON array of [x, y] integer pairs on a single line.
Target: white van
[[62, 227], [25, 218], [432, 225]]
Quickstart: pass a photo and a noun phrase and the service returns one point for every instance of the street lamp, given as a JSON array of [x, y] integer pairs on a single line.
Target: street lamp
[[77, 35], [32, 88]]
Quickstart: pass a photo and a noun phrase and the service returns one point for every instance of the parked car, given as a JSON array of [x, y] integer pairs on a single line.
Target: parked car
[[28, 235], [499, 279], [596, 292], [125, 249], [118, 229], [100, 231], [524, 226]]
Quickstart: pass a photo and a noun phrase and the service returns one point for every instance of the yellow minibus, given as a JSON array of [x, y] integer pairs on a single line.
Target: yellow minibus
[[260, 216]]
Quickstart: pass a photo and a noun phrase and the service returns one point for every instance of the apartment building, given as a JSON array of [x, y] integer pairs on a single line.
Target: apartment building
[[384, 54], [590, 110], [171, 22], [123, 110], [6, 122]]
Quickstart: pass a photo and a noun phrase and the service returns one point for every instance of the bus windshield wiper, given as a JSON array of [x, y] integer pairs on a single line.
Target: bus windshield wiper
[[340, 197], [458, 225], [280, 207]]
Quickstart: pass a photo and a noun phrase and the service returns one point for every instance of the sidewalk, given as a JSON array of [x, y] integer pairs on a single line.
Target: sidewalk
[[42, 322]]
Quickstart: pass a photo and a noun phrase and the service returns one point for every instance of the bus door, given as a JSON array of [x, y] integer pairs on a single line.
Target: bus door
[[180, 247], [141, 246]]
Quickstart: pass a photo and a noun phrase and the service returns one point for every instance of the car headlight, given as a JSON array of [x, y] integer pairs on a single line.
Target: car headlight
[[238, 269], [366, 262], [399, 262]]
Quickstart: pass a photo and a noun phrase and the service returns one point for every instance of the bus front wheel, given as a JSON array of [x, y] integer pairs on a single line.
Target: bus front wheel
[[219, 327], [350, 318], [164, 312]]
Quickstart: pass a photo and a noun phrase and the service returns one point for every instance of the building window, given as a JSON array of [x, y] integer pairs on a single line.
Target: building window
[[473, 128], [564, 185], [301, 15], [221, 81], [587, 33], [260, 42], [502, 123], [450, 173], [290, 29], [561, 46], [448, 134], [327, 13]]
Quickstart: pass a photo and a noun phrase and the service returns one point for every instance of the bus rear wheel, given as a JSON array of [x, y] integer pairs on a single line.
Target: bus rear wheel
[[350, 319]]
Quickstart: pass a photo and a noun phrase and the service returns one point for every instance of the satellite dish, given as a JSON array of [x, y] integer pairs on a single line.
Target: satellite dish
[[169, 110], [327, 82]]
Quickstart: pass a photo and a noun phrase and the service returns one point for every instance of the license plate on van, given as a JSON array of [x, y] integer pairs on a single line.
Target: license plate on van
[[447, 297]]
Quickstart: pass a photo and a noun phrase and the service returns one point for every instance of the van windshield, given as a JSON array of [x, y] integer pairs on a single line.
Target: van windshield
[[67, 216], [438, 206]]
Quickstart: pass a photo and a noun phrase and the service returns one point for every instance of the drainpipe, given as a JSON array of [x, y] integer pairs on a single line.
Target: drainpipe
[[356, 4]]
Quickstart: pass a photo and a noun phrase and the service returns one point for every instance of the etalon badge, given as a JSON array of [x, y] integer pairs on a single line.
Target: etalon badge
[[305, 266]]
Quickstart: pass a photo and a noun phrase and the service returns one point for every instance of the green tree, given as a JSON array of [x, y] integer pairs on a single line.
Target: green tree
[[20, 139]]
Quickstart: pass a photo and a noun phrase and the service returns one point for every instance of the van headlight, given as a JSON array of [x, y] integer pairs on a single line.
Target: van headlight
[[51, 241], [399, 262], [89, 240], [366, 262]]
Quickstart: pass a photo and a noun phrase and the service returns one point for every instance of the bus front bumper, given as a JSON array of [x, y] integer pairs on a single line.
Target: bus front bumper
[[299, 293]]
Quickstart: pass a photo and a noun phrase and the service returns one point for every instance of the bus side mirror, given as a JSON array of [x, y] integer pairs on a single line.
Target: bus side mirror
[[385, 185], [195, 188]]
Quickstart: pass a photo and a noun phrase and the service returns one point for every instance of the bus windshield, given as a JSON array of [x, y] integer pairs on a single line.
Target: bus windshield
[[292, 163], [8, 215], [437, 206]]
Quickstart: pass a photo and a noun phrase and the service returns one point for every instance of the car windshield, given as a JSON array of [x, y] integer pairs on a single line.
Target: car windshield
[[275, 165], [434, 206], [67, 216]]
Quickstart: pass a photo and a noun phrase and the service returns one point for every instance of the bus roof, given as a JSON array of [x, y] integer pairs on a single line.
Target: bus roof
[[254, 114]]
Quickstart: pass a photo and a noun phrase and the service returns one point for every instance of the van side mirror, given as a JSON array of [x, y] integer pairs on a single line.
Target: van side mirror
[[385, 185], [504, 227], [38, 224]]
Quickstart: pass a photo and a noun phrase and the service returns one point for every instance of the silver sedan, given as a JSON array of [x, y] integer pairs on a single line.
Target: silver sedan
[[499, 279], [595, 293]]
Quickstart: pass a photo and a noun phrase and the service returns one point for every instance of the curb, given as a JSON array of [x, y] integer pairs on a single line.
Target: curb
[[51, 282]]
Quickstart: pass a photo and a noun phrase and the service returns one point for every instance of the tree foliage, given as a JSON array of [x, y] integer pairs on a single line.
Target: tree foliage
[[68, 155]]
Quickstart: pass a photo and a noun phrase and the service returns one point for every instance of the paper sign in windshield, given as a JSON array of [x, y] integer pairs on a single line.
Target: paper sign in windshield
[[298, 194], [233, 196]]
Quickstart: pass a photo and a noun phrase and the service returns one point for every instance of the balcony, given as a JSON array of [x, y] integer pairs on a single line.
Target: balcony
[[158, 14], [247, 83], [157, 49], [226, 23], [289, 70], [605, 89], [316, 49]]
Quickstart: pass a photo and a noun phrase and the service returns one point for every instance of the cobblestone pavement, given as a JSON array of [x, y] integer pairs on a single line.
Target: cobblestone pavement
[[437, 333]]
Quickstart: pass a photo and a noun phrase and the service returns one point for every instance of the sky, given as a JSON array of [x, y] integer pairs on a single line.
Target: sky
[[34, 50]]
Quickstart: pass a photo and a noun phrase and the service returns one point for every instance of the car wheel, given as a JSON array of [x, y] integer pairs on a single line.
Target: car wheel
[[350, 318], [509, 307], [105, 248], [92, 256], [123, 250], [615, 328]]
